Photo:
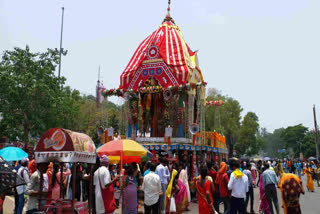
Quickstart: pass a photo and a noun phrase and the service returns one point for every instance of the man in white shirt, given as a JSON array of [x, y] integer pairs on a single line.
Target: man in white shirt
[[23, 174], [152, 189], [164, 176], [105, 201], [238, 184], [37, 180]]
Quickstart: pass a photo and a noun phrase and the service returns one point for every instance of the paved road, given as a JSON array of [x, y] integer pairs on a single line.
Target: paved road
[[310, 202]]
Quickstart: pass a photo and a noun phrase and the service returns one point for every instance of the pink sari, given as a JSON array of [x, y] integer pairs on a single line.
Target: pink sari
[[181, 198], [264, 206]]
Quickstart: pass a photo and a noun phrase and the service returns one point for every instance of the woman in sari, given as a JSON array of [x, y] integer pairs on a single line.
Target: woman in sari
[[223, 180], [130, 192], [57, 182], [264, 206], [290, 188], [309, 172], [178, 190], [279, 169], [205, 201], [254, 173], [183, 177]]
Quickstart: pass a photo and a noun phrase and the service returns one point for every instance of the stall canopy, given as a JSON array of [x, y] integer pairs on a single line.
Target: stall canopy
[[163, 55], [62, 145]]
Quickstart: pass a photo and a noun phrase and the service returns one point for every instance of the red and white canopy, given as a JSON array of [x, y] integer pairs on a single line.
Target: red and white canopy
[[62, 145], [163, 55]]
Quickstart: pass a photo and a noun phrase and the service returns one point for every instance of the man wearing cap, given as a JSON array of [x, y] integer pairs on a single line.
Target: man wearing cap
[[23, 174], [105, 201]]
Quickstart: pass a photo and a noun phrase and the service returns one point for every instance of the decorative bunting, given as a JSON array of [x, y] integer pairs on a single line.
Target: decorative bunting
[[151, 89]]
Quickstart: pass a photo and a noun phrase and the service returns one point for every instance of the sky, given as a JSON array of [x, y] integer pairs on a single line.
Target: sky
[[263, 53]]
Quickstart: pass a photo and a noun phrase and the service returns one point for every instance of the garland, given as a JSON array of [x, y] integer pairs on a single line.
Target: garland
[[152, 89], [214, 103]]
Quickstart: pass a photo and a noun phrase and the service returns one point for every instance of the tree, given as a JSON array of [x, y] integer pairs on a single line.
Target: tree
[[294, 137], [91, 117], [247, 142], [307, 146], [274, 143], [224, 119], [32, 98]]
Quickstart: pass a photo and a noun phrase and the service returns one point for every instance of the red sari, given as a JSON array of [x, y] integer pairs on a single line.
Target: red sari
[[202, 202]]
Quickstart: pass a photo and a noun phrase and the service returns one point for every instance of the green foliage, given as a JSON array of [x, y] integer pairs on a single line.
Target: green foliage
[[248, 143], [293, 139], [274, 142], [224, 119], [299, 139], [293, 136], [91, 117], [32, 98]]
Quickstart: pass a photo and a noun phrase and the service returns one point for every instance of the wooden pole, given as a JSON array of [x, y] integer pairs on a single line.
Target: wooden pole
[[315, 131], [90, 188], [61, 180], [74, 175]]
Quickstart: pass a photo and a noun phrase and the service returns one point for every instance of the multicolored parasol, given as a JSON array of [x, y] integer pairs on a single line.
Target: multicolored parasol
[[129, 150]]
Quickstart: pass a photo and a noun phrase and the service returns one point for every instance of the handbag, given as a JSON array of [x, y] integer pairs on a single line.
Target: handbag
[[172, 205]]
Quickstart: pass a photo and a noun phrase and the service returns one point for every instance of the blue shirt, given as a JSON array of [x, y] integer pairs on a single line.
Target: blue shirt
[[249, 175], [269, 177], [298, 166]]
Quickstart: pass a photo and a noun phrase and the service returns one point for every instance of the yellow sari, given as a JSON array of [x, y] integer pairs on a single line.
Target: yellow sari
[[309, 184]]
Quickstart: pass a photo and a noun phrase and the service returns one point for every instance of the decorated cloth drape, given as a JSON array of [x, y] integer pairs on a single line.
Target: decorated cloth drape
[[129, 150]]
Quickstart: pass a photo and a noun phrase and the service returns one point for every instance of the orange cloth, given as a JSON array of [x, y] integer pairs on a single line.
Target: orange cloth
[[223, 169], [32, 166], [49, 173]]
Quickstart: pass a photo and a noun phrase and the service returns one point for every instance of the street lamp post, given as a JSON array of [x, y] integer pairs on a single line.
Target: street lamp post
[[315, 131], [60, 52]]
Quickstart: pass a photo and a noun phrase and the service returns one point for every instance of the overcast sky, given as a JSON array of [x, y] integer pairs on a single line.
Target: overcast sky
[[265, 54]]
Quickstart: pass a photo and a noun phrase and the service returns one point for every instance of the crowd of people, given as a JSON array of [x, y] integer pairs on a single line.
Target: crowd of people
[[168, 188]]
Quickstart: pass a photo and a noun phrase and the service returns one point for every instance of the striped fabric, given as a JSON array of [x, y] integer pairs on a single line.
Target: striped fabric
[[173, 51]]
